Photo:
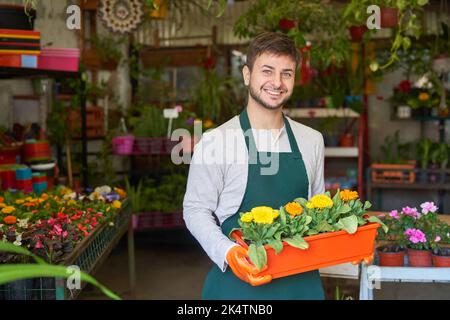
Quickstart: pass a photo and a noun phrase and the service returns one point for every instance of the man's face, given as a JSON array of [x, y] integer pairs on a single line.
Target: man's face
[[271, 81]]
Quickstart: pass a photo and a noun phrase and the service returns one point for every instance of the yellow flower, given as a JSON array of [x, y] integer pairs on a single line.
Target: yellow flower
[[321, 201], [423, 96], [20, 201], [276, 213], [28, 199], [44, 196], [263, 215], [348, 195], [117, 204], [71, 202], [293, 208], [247, 217], [2, 205], [65, 191], [8, 209], [309, 205]]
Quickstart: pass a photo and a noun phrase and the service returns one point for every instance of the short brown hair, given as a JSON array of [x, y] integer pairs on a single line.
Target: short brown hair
[[271, 42]]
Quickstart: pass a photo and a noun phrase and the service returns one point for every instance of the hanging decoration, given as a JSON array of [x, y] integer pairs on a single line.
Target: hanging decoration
[[121, 16]]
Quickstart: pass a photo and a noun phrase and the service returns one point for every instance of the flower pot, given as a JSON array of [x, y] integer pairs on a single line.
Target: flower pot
[[346, 140], [433, 175], [389, 17], [419, 258], [441, 64], [330, 140], [357, 32], [123, 145], [326, 249], [403, 112], [385, 173], [441, 258], [390, 258]]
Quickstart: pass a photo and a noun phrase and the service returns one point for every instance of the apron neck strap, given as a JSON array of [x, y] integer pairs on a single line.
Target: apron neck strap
[[248, 134]]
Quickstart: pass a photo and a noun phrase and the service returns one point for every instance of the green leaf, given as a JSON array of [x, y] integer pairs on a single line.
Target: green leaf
[[323, 226], [298, 242], [282, 216], [9, 273], [344, 209], [257, 255], [422, 2], [301, 201], [367, 205], [277, 245], [377, 220], [311, 232], [308, 220], [349, 224], [9, 247], [406, 43]]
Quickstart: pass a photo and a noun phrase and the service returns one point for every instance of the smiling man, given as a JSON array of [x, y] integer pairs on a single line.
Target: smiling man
[[226, 186]]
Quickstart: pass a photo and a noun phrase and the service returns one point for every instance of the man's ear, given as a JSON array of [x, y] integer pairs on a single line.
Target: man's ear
[[246, 75]]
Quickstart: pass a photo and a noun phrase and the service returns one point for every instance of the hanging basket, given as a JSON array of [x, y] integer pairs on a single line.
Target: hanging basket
[[121, 16]]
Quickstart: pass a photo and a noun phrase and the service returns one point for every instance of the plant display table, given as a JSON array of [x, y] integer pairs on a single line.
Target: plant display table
[[373, 273], [88, 255]]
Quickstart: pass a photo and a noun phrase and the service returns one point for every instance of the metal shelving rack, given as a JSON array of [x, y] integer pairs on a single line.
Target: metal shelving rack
[[441, 188], [27, 73]]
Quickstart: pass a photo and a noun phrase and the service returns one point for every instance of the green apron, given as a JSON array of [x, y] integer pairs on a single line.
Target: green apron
[[276, 190]]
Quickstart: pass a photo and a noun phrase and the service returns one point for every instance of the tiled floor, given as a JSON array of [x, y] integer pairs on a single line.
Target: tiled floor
[[171, 265]]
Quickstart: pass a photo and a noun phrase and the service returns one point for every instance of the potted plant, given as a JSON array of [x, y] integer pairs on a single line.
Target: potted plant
[[400, 98], [393, 251], [424, 148], [441, 247], [394, 164]]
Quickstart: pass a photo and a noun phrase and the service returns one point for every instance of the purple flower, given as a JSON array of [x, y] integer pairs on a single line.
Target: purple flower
[[112, 196], [190, 121], [437, 239], [415, 235], [412, 212], [428, 207], [394, 214]]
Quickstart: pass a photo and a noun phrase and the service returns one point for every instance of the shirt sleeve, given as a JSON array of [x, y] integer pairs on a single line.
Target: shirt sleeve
[[204, 186], [318, 185]]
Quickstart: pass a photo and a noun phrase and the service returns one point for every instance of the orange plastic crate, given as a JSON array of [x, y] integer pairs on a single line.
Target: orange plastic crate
[[325, 250]]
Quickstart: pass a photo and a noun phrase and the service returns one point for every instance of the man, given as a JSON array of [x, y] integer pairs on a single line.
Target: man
[[283, 160]]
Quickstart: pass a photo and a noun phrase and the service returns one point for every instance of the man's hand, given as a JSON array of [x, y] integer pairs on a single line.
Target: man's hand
[[244, 270]]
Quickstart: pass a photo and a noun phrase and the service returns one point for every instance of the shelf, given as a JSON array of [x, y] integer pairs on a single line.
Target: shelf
[[412, 186], [321, 113], [9, 72], [341, 152]]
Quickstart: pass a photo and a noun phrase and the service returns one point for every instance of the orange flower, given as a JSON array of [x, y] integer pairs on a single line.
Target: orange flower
[[29, 204], [121, 193], [2, 199], [423, 96], [348, 195], [10, 220], [293, 208]]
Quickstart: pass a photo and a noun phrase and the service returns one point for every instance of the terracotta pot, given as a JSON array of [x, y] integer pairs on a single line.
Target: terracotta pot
[[419, 258], [391, 259], [357, 32], [389, 17], [347, 140], [441, 261]]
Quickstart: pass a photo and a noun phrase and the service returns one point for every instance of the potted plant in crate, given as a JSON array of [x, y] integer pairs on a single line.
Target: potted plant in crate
[[395, 164]]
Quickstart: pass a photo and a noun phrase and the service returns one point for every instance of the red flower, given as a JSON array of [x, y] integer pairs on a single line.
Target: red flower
[[209, 63], [90, 210], [286, 24], [404, 86], [62, 216]]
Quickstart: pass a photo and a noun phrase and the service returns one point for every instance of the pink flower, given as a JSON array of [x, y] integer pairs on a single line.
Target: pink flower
[[38, 245], [51, 221], [437, 239], [412, 212], [179, 108], [58, 230], [394, 214], [416, 235], [64, 234], [428, 207]]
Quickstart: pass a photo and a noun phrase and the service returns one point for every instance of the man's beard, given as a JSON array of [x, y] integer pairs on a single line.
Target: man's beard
[[255, 97]]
